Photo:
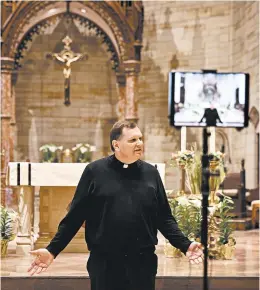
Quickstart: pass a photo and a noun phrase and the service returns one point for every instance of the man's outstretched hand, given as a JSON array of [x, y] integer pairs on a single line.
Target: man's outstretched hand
[[195, 253], [43, 259]]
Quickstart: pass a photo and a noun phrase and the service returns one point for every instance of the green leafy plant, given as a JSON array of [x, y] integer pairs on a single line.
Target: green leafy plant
[[8, 220], [187, 213], [222, 212]]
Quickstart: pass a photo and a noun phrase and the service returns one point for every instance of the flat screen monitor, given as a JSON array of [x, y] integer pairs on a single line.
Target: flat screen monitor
[[199, 99]]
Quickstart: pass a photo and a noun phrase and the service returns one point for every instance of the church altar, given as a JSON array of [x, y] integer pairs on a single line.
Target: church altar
[[57, 183]]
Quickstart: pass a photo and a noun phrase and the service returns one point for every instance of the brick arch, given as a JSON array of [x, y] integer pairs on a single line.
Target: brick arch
[[124, 32]]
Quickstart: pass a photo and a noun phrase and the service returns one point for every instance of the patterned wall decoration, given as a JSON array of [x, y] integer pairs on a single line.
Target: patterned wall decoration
[[41, 27]]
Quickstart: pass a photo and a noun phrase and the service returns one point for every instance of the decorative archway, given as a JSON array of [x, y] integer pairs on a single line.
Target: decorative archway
[[41, 26], [123, 25], [119, 24], [220, 133]]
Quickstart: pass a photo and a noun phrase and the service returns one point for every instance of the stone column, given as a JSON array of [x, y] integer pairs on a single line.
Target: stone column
[[45, 214], [6, 116], [25, 208], [132, 68], [13, 117], [121, 89]]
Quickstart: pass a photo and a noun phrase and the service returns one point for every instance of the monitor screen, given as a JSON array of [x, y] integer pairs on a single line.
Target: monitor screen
[[208, 99]]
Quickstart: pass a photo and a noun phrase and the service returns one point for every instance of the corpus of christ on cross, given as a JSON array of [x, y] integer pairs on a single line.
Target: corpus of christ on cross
[[67, 56]]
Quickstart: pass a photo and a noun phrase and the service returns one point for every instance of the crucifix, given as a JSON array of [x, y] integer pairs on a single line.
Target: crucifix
[[67, 56]]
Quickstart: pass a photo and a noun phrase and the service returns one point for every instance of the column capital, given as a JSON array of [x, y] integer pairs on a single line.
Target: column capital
[[7, 64], [121, 79], [132, 66], [3, 116]]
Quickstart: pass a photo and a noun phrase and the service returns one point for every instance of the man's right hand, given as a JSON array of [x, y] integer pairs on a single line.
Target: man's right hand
[[43, 259]]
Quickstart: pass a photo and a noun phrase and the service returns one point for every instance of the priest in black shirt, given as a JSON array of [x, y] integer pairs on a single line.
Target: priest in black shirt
[[123, 202]]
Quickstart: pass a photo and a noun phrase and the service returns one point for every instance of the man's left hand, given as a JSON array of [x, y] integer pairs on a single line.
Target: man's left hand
[[195, 253]]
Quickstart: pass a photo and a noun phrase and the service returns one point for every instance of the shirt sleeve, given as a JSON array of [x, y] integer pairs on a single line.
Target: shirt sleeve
[[167, 224], [71, 223]]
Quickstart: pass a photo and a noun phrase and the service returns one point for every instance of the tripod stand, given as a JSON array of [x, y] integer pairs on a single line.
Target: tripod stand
[[205, 203]]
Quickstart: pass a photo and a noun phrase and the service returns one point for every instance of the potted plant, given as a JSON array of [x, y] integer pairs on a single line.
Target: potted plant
[[9, 224], [187, 213], [226, 241], [49, 152]]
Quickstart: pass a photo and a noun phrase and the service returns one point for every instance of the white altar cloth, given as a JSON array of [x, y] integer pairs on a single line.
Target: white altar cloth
[[52, 174]]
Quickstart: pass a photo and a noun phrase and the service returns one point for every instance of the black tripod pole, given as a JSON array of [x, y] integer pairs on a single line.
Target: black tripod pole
[[205, 202], [243, 189]]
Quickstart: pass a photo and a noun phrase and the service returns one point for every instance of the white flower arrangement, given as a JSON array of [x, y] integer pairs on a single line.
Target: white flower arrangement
[[49, 152], [182, 159], [84, 147], [51, 147], [83, 152], [216, 156]]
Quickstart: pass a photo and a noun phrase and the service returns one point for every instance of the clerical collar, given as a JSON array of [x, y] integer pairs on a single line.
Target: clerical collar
[[120, 164]]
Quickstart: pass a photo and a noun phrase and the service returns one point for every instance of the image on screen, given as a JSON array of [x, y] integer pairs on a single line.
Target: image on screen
[[208, 99]]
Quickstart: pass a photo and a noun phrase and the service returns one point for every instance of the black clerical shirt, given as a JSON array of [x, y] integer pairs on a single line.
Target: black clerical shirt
[[123, 209]]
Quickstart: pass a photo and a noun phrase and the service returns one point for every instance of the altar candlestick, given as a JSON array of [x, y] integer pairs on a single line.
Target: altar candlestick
[[212, 139], [183, 138]]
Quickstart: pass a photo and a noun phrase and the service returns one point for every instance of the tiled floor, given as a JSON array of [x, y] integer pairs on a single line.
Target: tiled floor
[[244, 264]]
